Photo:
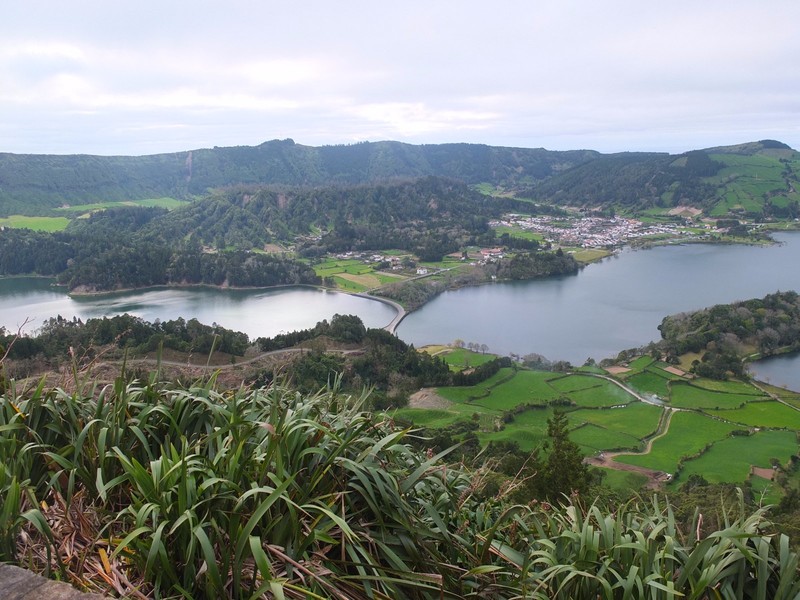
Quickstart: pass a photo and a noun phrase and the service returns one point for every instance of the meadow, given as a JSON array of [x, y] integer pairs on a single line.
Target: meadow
[[354, 275], [48, 224], [717, 428]]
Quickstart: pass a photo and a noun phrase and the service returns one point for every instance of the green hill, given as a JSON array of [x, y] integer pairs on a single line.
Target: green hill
[[757, 179], [36, 184]]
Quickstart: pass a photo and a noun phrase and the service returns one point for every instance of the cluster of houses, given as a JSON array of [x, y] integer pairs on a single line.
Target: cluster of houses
[[589, 232]]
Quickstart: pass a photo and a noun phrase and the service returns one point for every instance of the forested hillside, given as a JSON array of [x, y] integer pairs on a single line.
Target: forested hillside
[[758, 179], [430, 216], [31, 184], [724, 334]]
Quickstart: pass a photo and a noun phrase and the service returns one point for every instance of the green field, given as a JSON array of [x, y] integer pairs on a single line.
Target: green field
[[624, 482], [588, 255], [745, 181], [48, 224], [336, 267], [592, 438], [604, 394], [762, 414], [689, 433], [461, 358], [518, 233], [529, 430], [729, 460], [648, 382], [572, 383], [684, 395], [698, 440], [638, 419], [168, 203]]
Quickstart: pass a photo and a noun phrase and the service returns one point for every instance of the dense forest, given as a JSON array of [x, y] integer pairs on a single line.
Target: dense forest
[[428, 216], [212, 241], [31, 184], [87, 262]]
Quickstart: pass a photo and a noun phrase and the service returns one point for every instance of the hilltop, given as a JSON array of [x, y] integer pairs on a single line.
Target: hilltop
[[31, 184], [757, 179], [752, 179]]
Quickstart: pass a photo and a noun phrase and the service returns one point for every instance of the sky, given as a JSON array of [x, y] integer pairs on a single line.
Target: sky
[[133, 78]]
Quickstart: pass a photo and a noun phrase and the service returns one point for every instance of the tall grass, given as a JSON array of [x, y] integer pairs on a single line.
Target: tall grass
[[147, 489]]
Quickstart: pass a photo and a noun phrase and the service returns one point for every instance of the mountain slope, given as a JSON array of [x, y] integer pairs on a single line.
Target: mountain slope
[[754, 179], [33, 184]]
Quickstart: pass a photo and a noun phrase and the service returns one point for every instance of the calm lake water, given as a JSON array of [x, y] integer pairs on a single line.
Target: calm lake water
[[255, 312], [607, 307]]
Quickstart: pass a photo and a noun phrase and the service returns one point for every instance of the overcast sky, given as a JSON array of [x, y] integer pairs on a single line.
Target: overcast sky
[[110, 77]]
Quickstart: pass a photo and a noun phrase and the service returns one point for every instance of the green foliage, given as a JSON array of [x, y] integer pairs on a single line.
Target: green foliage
[[537, 264], [33, 183], [201, 493], [755, 180], [724, 332], [58, 337], [563, 472]]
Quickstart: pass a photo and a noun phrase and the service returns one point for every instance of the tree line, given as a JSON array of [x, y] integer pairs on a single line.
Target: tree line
[[725, 333]]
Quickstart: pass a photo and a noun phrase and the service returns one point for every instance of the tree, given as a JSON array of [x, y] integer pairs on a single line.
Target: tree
[[564, 471]]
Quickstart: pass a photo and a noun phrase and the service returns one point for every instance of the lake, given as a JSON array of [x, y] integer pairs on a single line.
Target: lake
[[255, 312], [609, 306]]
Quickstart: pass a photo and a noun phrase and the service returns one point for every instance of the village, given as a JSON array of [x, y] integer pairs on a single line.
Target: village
[[591, 231], [586, 232]]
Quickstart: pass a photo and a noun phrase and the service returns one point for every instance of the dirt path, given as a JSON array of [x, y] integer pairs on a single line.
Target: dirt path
[[428, 398], [654, 478]]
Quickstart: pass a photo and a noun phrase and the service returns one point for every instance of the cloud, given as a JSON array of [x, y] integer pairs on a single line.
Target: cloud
[[94, 76]]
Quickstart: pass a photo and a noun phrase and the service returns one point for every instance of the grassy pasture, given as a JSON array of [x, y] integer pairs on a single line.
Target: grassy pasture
[[686, 395], [648, 382], [689, 433], [641, 363], [595, 426], [728, 387], [603, 394], [168, 203], [624, 482], [518, 233], [764, 489], [572, 383], [337, 267], [637, 419], [366, 281], [762, 414], [529, 429], [464, 394], [592, 439], [588, 255], [657, 369], [729, 460], [525, 387], [461, 357], [48, 224], [429, 417], [348, 285]]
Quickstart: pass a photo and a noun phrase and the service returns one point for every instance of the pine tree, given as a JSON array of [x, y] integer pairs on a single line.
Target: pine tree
[[564, 471]]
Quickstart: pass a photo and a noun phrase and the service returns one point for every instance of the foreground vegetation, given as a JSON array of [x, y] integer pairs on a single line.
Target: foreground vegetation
[[148, 489]]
